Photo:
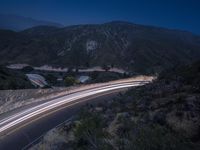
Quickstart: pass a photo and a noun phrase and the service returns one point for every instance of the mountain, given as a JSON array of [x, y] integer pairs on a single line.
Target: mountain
[[133, 47], [19, 23], [10, 79]]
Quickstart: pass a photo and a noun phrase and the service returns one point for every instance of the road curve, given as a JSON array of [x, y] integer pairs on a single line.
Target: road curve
[[14, 122]]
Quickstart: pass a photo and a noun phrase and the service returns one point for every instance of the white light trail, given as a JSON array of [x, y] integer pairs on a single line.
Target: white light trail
[[25, 115]]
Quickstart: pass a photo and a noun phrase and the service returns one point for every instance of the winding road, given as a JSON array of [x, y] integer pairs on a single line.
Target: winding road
[[19, 129]]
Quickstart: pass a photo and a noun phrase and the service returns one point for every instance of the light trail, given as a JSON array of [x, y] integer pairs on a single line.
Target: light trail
[[26, 115]]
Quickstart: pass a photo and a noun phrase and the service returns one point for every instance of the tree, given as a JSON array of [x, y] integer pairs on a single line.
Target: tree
[[105, 67], [69, 81], [51, 78], [27, 69]]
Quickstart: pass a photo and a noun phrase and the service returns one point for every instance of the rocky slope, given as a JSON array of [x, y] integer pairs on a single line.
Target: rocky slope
[[137, 48], [163, 115]]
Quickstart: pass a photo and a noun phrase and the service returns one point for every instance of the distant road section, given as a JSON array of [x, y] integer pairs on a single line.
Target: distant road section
[[37, 80]]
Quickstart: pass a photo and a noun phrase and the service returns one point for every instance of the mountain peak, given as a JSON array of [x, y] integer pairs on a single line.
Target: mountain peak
[[119, 22]]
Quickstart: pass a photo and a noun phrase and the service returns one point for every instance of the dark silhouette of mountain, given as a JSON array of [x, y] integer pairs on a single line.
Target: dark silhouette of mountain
[[137, 48], [19, 23]]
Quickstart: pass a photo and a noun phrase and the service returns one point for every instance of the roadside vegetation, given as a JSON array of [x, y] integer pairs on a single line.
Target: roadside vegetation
[[106, 76], [70, 80], [10, 79]]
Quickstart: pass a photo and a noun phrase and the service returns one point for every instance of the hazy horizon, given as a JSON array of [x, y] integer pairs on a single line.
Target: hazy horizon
[[177, 14]]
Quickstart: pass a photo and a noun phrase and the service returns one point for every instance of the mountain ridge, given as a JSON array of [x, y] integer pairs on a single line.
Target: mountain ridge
[[139, 48], [19, 23]]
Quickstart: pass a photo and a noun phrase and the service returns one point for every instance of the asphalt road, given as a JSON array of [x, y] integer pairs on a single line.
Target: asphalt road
[[25, 135], [24, 126]]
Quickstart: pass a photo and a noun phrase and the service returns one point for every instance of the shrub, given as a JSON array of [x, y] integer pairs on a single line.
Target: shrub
[[69, 81], [89, 132], [27, 69], [51, 79], [155, 137]]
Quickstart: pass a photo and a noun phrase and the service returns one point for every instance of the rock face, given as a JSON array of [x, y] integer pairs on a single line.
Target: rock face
[[142, 49], [91, 45]]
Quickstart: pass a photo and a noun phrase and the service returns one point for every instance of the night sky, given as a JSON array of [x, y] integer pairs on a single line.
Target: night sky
[[175, 14]]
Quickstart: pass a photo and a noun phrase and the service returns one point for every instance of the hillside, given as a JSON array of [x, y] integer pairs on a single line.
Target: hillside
[[10, 79], [137, 48], [163, 115], [19, 23]]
